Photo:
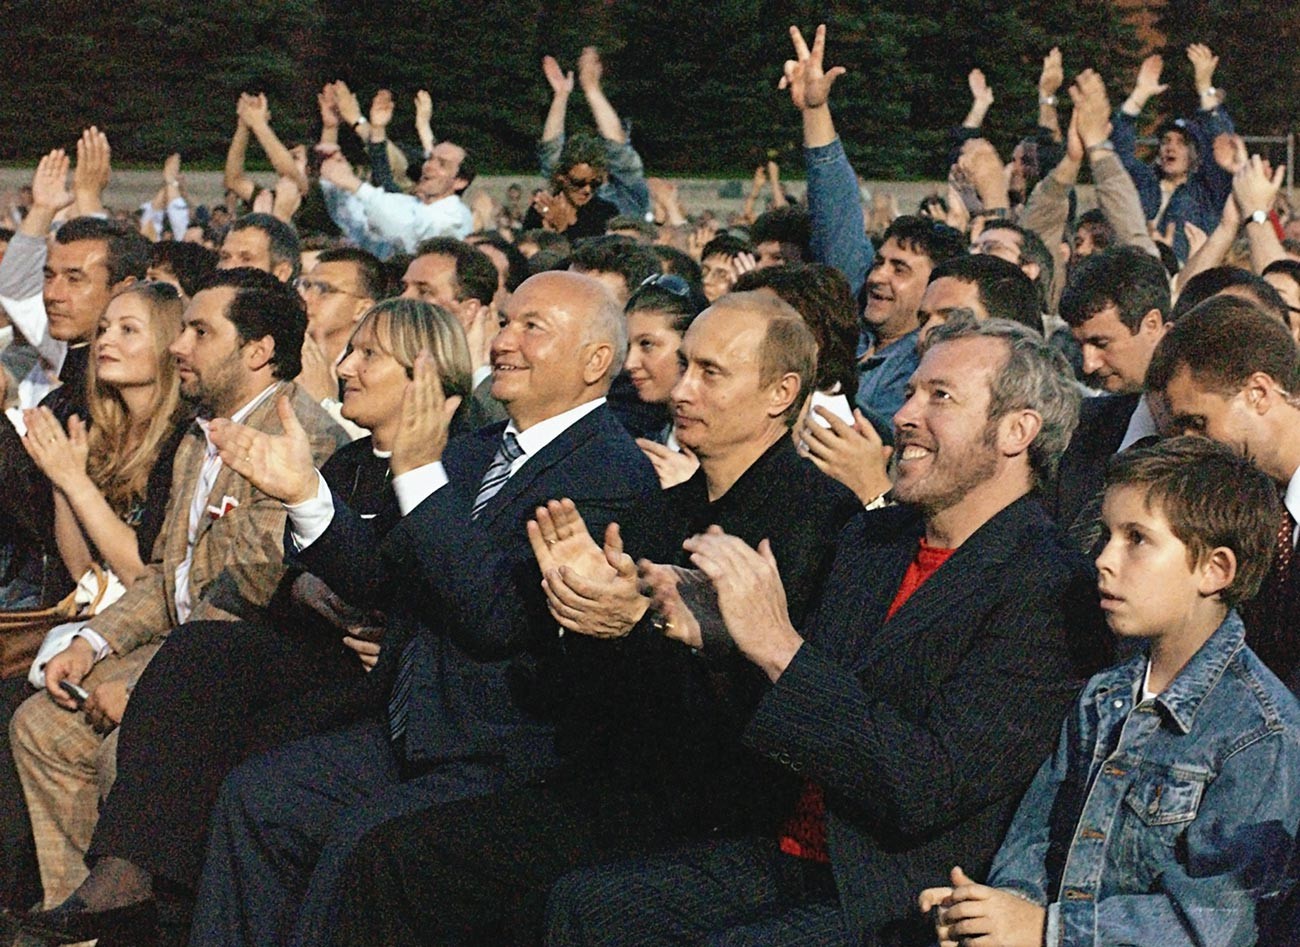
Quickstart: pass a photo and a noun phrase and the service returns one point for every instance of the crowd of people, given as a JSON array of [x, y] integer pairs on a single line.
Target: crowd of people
[[412, 569]]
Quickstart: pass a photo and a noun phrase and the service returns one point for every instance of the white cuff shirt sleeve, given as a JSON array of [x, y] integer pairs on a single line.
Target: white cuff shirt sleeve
[[416, 486], [96, 641], [309, 519]]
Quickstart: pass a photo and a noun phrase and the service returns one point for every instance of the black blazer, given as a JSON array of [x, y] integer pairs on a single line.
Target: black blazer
[[1102, 423], [925, 730], [472, 592]]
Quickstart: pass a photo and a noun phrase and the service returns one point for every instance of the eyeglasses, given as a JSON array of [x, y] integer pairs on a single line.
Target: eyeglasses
[[579, 183], [305, 286], [668, 282]]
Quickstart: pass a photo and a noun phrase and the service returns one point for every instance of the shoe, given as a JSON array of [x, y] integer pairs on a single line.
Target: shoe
[[71, 923]]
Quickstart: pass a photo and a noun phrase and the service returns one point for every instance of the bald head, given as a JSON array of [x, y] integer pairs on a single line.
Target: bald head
[[561, 341]]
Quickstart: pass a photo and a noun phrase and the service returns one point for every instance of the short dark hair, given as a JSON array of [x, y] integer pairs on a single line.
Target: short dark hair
[[475, 277], [1287, 267], [127, 251], [282, 239], [1130, 279], [726, 244], [1222, 342], [372, 281], [1003, 288], [264, 306], [821, 295], [1032, 250], [920, 234], [1099, 225], [191, 263], [1214, 281], [646, 231], [516, 262], [789, 226], [614, 254], [1211, 497], [678, 263], [545, 239]]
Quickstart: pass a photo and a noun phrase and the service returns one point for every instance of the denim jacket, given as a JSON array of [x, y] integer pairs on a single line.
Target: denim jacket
[[1164, 822]]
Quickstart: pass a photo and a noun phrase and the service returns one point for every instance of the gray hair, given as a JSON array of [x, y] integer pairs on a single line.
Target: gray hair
[[1035, 377], [608, 324]]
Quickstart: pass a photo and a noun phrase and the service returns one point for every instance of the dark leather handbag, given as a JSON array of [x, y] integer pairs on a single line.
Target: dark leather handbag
[[23, 630]]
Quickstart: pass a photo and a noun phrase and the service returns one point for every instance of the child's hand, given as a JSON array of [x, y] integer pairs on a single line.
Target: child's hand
[[932, 898], [981, 916]]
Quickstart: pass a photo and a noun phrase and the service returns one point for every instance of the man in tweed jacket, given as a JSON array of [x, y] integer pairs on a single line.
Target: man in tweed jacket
[[221, 543]]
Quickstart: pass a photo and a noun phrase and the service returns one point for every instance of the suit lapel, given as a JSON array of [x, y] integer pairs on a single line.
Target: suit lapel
[[550, 455], [960, 586]]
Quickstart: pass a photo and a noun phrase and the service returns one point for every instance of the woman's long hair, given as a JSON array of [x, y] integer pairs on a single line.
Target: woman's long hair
[[121, 471]]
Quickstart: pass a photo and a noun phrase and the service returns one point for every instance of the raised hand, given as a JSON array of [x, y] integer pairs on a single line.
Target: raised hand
[[60, 455], [423, 108], [1255, 186], [425, 419], [329, 107], [1230, 152], [94, 166], [590, 68], [1092, 107], [559, 537], [172, 167], [254, 110], [348, 106], [50, 183], [561, 82], [1053, 74], [1148, 78], [606, 604], [280, 465], [809, 83], [381, 109], [751, 597], [851, 453], [1204, 62], [981, 92]]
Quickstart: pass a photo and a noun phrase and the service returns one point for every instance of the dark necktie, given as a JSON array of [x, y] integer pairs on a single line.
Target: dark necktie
[[413, 654]]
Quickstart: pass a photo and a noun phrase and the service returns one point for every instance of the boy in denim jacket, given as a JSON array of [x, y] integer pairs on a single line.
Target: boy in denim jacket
[[1169, 811]]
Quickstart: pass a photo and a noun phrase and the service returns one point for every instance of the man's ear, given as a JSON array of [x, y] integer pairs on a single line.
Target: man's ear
[[599, 358], [282, 270], [783, 394], [1218, 570], [1032, 270], [259, 352], [1153, 321], [1017, 431]]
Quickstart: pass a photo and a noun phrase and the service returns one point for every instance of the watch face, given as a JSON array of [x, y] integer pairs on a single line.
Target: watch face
[[1259, 216]]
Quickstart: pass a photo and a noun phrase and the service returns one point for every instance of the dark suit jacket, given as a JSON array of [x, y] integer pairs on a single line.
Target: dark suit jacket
[[471, 591], [1102, 423], [926, 729], [655, 716]]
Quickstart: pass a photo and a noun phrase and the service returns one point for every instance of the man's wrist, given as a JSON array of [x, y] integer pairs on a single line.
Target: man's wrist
[[1099, 146]]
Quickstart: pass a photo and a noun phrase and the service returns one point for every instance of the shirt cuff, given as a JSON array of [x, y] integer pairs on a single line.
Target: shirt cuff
[[96, 641], [416, 486], [480, 373], [309, 519]]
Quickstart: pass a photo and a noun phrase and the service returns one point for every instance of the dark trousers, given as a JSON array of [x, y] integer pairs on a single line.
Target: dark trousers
[[215, 693], [478, 871], [20, 881], [732, 893], [285, 822]]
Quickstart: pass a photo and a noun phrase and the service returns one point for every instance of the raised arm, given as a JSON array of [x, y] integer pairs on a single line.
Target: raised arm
[[561, 84], [236, 179], [1049, 82], [1255, 192], [424, 121], [590, 72], [257, 116], [834, 206], [981, 99]]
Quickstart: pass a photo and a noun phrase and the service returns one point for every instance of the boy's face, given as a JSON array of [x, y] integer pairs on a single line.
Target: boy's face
[[1149, 585]]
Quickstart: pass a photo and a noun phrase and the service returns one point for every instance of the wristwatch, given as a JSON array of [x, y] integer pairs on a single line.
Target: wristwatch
[[1259, 217], [1046, 99]]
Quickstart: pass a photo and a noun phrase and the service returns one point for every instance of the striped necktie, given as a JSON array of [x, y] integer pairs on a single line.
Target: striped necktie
[[498, 473]]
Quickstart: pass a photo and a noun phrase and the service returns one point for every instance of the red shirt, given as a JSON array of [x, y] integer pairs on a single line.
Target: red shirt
[[803, 835]]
